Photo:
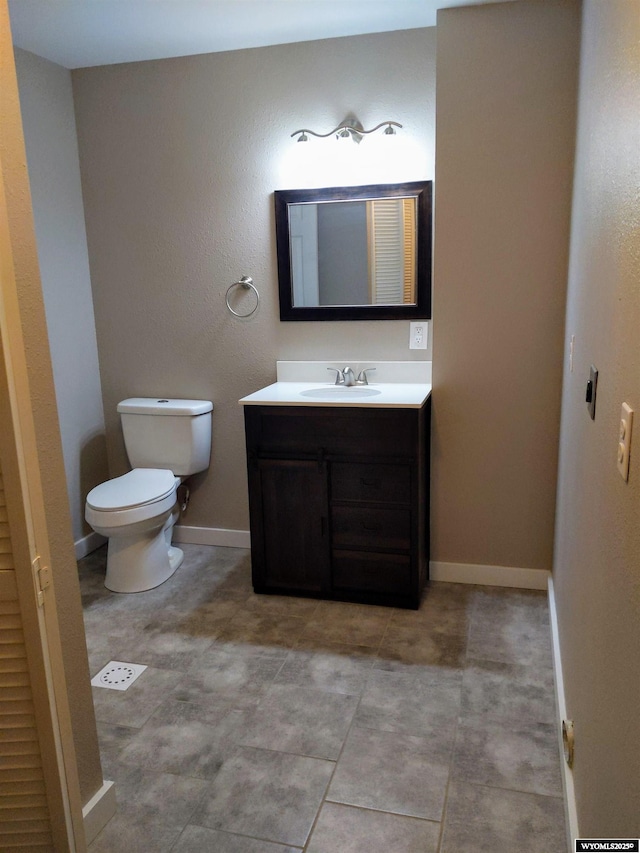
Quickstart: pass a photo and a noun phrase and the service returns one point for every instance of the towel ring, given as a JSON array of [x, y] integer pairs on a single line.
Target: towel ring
[[246, 282]]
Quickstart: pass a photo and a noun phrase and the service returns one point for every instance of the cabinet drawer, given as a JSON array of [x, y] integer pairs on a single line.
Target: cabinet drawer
[[355, 571], [371, 482], [367, 527], [305, 430]]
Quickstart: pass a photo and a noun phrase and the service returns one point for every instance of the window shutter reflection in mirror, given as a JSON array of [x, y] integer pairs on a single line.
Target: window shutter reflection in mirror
[[392, 262]]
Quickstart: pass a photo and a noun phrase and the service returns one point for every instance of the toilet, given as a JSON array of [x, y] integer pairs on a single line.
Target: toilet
[[166, 441]]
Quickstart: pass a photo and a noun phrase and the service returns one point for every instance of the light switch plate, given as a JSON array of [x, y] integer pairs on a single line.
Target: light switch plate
[[624, 440]]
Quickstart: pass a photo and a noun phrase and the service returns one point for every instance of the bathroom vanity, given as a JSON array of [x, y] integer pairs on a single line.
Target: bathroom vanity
[[339, 490]]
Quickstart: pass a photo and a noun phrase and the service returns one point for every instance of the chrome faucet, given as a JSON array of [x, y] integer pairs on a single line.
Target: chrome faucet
[[347, 376]]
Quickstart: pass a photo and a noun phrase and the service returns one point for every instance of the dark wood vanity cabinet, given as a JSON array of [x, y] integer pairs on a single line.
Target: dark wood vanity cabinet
[[339, 501]]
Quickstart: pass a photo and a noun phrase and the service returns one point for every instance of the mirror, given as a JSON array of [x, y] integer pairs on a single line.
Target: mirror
[[355, 253]]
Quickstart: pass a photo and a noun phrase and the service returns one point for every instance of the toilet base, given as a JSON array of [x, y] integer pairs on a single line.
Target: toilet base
[[139, 563], [176, 556]]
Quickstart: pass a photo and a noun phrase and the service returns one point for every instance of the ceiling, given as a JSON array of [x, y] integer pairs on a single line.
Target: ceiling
[[81, 33]]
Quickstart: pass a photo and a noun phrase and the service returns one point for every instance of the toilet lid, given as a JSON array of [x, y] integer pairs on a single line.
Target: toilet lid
[[138, 487]]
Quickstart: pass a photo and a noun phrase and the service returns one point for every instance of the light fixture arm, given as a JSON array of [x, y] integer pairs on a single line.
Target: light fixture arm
[[320, 135], [354, 129], [382, 124]]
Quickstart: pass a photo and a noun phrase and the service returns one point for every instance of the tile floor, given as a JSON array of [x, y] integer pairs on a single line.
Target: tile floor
[[271, 725]]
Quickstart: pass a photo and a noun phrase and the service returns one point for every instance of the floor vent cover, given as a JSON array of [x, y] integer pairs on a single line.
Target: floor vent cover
[[117, 675]]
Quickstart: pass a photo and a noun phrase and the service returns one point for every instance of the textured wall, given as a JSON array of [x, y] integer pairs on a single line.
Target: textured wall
[[506, 91], [179, 161], [597, 559], [50, 459], [46, 104]]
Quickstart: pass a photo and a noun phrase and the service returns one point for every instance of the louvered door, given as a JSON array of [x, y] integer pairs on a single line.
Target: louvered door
[[24, 814], [392, 261], [40, 805], [386, 261]]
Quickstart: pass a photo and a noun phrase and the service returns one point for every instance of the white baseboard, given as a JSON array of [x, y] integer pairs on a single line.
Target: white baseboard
[[88, 544], [571, 812], [488, 575], [100, 809], [211, 536]]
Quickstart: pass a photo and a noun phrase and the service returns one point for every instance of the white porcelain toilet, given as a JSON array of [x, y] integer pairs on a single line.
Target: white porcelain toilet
[[166, 441]]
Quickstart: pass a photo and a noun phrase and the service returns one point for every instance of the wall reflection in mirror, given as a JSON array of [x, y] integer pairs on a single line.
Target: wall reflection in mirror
[[354, 252]]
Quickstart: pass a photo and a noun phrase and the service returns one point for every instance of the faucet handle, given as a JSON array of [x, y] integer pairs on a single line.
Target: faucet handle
[[339, 375], [362, 376]]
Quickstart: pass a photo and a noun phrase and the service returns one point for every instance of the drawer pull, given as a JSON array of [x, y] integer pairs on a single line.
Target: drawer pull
[[371, 525], [373, 483]]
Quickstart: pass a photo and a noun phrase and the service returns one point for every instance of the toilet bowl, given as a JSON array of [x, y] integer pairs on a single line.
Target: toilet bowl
[[167, 440], [136, 512]]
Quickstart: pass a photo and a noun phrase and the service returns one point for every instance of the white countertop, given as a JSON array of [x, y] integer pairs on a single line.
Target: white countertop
[[405, 395], [401, 384]]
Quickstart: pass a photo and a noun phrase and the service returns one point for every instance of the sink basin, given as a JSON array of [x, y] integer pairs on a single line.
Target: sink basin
[[340, 392]]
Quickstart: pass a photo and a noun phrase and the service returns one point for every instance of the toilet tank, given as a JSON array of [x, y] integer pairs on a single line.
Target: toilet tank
[[172, 434]]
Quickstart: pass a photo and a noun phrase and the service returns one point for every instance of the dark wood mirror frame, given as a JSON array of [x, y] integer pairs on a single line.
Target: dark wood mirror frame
[[421, 310]]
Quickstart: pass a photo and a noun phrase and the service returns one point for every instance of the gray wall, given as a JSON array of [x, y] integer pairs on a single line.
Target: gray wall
[[179, 161], [506, 92], [597, 557], [46, 103]]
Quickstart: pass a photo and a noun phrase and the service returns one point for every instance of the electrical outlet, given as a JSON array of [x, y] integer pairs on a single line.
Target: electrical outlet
[[624, 440], [418, 335]]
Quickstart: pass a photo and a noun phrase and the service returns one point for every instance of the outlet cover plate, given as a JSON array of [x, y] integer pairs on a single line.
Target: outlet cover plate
[[418, 335], [624, 440]]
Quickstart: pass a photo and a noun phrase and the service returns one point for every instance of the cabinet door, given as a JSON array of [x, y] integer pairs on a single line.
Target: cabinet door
[[292, 548]]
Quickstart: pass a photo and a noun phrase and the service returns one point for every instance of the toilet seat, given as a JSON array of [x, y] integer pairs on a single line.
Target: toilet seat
[[140, 495], [140, 487]]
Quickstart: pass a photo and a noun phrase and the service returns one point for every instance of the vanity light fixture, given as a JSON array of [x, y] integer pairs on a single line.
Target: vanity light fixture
[[350, 128]]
